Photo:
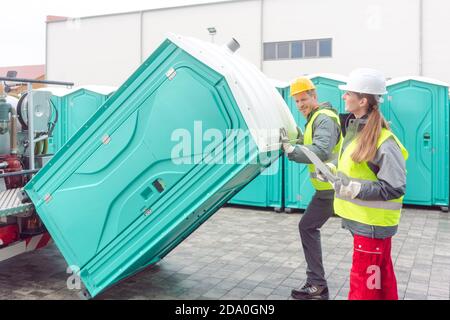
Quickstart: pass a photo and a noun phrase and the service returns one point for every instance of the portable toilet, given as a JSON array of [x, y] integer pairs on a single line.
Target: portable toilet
[[147, 169], [328, 90], [417, 109], [266, 190], [73, 108], [298, 189]]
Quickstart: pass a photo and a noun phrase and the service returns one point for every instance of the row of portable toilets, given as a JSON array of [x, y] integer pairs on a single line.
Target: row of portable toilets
[[417, 109]]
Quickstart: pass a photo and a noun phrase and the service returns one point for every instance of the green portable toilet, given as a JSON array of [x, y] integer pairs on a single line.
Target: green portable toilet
[[327, 89], [266, 190], [74, 107], [417, 109], [190, 127], [298, 189]]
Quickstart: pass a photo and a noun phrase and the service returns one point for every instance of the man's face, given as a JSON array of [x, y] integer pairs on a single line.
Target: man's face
[[305, 103]]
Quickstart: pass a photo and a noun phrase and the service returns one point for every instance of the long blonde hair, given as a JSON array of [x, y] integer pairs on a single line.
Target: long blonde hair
[[366, 143]]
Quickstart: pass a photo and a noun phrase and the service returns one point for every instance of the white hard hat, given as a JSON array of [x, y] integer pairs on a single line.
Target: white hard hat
[[365, 80]]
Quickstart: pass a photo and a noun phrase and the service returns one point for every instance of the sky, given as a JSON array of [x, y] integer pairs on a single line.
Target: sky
[[22, 23]]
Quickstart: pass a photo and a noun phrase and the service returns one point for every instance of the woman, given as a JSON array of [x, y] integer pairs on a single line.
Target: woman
[[369, 193]]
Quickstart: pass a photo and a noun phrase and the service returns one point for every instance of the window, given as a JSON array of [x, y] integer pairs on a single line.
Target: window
[[325, 48], [298, 49], [283, 50], [270, 51], [310, 48]]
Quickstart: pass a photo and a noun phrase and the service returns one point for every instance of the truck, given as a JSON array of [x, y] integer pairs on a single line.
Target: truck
[[26, 124]]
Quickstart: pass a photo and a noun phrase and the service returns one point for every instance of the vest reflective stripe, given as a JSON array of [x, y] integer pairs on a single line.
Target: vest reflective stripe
[[375, 204], [377, 213], [308, 139]]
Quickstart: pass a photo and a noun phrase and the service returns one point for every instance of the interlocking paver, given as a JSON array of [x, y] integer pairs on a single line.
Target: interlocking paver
[[251, 254], [215, 293], [248, 284]]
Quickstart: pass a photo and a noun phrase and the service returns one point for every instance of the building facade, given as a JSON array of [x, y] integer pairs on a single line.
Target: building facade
[[284, 38]]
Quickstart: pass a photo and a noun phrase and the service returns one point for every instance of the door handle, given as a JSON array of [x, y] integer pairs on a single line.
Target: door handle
[[426, 139]]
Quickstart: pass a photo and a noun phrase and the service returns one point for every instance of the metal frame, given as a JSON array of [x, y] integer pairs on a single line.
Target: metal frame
[[10, 203]]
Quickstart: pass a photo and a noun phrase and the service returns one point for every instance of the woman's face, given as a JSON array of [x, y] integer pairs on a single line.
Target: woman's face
[[354, 104]]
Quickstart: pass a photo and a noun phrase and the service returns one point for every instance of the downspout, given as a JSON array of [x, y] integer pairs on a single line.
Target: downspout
[[46, 51], [421, 37], [141, 36], [261, 60]]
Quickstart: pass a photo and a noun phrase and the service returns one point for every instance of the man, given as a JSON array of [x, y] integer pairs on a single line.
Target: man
[[323, 137]]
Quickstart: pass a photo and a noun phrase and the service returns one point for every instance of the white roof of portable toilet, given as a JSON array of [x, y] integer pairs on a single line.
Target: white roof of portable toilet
[[105, 90], [332, 76], [417, 78], [279, 83], [61, 91], [262, 107]]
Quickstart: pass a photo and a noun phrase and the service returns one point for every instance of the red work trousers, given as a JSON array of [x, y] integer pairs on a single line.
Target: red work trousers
[[372, 275]]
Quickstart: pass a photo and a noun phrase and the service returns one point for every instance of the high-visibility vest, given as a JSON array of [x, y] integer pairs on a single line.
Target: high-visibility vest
[[375, 213], [308, 139]]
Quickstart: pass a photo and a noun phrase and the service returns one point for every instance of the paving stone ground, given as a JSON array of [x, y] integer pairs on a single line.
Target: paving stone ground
[[243, 253]]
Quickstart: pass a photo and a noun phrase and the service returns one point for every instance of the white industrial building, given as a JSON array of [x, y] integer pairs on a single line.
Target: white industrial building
[[284, 38]]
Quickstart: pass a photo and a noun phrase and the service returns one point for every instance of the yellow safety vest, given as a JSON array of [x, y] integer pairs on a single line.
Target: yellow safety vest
[[308, 140], [375, 213]]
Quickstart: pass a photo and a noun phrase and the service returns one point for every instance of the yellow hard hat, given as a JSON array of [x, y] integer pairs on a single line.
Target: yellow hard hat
[[300, 85]]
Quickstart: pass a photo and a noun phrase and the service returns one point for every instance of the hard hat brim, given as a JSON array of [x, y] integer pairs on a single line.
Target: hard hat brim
[[345, 87]]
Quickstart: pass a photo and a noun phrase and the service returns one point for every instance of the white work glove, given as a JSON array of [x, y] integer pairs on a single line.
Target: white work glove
[[286, 145], [347, 188], [299, 136], [321, 176]]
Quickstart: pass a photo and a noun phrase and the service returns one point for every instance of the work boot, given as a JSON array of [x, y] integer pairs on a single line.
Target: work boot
[[310, 292]]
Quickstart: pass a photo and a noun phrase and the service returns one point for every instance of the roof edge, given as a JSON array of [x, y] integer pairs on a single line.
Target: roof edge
[[149, 10]]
